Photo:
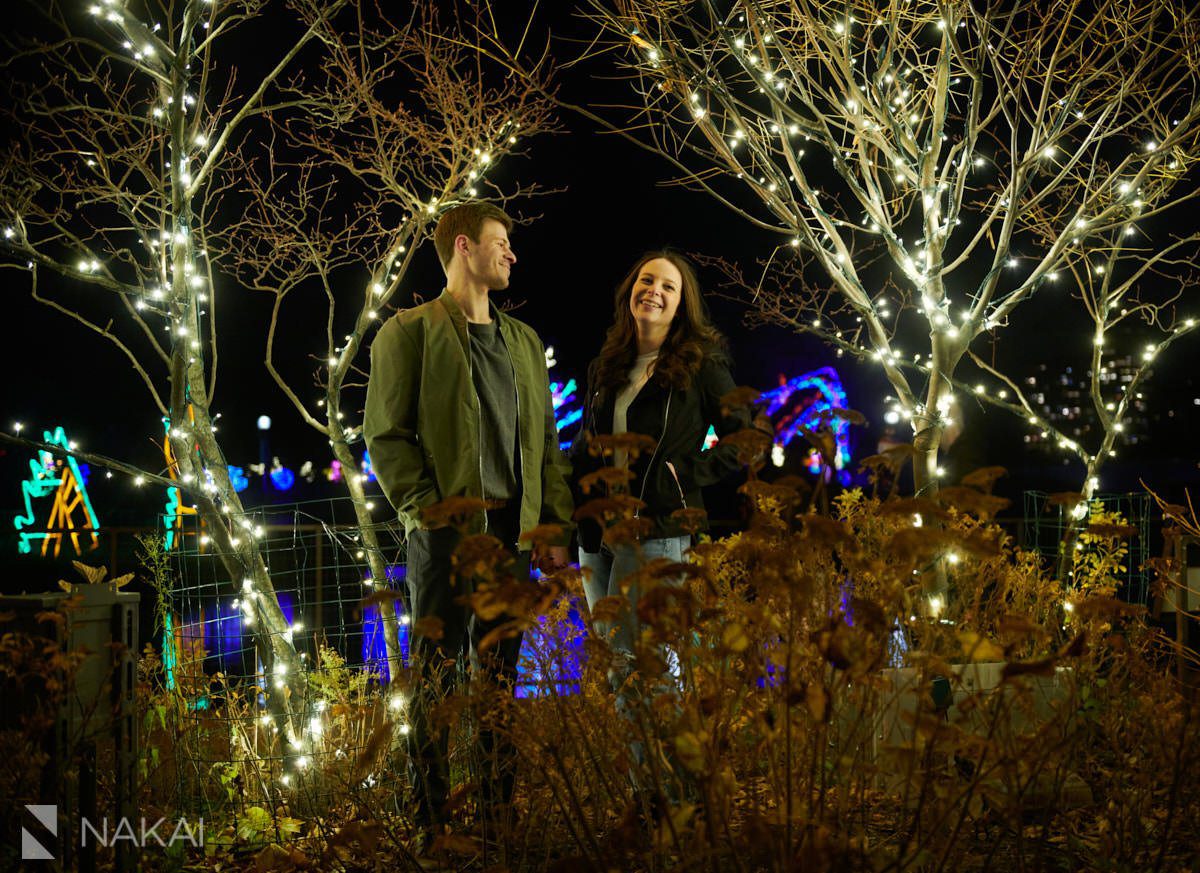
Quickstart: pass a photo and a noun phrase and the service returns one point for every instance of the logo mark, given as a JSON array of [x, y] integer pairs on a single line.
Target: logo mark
[[47, 817]]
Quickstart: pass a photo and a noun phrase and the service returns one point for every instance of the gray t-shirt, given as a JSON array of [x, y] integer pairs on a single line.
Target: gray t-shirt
[[492, 371], [639, 375]]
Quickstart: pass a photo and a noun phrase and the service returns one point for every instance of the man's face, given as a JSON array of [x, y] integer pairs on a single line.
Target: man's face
[[490, 260]]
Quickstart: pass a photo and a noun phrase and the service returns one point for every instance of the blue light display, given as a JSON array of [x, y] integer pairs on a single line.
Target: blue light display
[[374, 644], [237, 478], [552, 663], [805, 402], [367, 470], [567, 411], [282, 478]]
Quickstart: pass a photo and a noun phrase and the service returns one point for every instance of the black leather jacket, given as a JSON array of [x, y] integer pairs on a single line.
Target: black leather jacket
[[678, 421]]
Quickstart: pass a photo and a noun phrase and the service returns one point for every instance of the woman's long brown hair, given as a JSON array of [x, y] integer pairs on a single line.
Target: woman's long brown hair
[[690, 338]]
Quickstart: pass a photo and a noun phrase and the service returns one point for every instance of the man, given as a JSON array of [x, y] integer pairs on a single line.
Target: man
[[458, 404]]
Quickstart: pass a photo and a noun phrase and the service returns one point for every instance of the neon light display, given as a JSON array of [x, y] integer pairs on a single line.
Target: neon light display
[[367, 470], [282, 478], [174, 510], [805, 402], [168, 650], [567, 411], [374, 646], [237, 478], [71, 510]]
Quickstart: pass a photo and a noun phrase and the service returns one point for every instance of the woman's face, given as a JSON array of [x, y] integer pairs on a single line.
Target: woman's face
[[655, 298]]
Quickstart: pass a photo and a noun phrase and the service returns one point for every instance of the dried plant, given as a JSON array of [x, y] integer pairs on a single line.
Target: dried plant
[[802, 698]]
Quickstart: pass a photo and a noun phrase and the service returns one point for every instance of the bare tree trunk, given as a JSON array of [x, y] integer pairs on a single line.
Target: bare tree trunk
[[371, 549]]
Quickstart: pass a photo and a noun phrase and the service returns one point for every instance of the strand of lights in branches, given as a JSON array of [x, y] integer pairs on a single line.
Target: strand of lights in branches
[[752, 47]]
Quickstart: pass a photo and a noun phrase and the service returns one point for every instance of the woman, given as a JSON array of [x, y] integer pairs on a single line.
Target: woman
[[662, 373]]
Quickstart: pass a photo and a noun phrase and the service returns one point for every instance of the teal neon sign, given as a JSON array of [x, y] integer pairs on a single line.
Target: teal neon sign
[[65, 480]]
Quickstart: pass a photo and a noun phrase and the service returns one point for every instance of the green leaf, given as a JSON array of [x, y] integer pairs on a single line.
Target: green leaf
[[255, 823], [289, 827]]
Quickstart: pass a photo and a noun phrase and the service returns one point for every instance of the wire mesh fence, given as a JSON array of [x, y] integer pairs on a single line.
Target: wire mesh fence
[[235, 750], [1048, 521], [317, 562]]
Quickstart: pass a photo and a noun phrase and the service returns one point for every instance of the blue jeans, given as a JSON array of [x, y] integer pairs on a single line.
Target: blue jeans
[[604, 570], [603, 573]]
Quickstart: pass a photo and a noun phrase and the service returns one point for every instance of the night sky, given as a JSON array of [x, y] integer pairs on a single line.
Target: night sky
[[577, 245]]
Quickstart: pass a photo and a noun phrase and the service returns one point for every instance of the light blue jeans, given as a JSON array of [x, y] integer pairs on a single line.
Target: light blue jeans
[[603, 573], [604, 570]]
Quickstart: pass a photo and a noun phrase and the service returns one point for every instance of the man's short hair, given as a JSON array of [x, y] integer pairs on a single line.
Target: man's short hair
[[467, 218]]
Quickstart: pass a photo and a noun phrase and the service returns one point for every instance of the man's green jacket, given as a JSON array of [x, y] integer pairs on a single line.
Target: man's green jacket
[[422, 422]]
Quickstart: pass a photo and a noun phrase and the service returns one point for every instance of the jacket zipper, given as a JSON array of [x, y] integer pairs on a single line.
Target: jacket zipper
[[654, 454], [592, 422], [520, 448]]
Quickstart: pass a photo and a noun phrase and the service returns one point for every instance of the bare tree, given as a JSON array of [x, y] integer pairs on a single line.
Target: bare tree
[[922, 169], [124, 126], [400, 122]]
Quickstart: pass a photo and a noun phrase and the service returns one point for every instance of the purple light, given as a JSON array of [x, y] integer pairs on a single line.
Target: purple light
[[805, 402], [552, 663]]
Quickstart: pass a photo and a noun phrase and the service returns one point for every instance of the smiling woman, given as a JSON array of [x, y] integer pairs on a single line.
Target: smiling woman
[[661, 373], [646, 305], [653, 302]]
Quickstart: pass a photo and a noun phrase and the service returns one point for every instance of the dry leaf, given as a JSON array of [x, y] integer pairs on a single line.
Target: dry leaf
[[734, 639], [817, 698], [91, 575], [430, 627], [978, 648]]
